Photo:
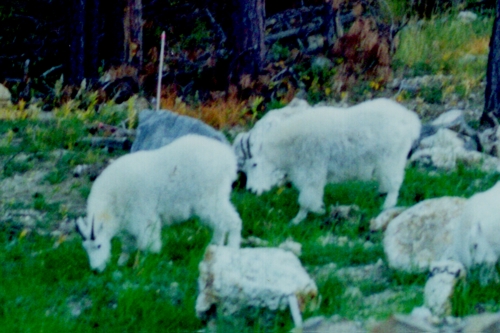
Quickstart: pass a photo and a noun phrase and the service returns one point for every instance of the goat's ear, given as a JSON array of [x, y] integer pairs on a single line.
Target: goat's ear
[[80, 221]]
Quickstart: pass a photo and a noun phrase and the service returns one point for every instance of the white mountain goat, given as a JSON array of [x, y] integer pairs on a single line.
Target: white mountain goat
[[138, 192], [328, 144], [476, 240], [262, 127]]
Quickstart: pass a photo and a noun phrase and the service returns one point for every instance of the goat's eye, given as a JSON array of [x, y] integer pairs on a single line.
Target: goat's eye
[[475, 246], [254, 165], [99, 246]]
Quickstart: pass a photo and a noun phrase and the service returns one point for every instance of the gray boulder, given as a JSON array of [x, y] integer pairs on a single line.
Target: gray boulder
[[159, 128]]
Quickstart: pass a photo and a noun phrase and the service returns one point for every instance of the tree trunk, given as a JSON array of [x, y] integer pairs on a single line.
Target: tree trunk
[[93, 33], [492, 94], [75, 71], [248, 49], [113, 37], [133, 33], [96, 33]]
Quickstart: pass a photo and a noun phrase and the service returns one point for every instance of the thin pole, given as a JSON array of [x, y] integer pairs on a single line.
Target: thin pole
[[160, 71]]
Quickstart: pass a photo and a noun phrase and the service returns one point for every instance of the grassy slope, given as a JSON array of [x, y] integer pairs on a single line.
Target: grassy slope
[[46, 285]]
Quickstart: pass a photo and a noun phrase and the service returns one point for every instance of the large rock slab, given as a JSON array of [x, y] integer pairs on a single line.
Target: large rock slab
[[231, 281], [422, 234], [159, 128]]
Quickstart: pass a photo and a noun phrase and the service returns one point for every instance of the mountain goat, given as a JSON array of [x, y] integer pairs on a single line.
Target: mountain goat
[[476, 239], [138, 192], [261, 128], [328, 144]]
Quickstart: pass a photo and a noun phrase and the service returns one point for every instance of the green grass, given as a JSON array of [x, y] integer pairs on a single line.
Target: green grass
[[445, 45], [45, 287]]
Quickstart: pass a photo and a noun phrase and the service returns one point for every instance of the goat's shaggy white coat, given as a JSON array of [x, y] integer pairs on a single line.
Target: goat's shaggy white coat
[[332, 145], [477, 235], [192, 176], [271, 119]]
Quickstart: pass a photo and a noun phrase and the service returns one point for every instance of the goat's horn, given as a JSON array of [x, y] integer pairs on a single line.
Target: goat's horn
[[243, 149], [248, 147], [77, 228], [92, 235]]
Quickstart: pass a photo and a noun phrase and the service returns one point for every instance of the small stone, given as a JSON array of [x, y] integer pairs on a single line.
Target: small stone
[[439, 287], [5, 94], [467, 16], [292, 246], [383, 219]]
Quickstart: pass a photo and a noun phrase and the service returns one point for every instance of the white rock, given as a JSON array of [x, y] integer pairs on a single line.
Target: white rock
[[344, 212], [5, 94], [449, 119], [422, 234], [444, 138], [253, 241], [447, 158], [467, 16], [445, 148], [292, 246], [490, 141], [483, 323], [422, 313], [80, 170], [386, 216], [404, 324], [315, 42], [441, 284], [233, 280]]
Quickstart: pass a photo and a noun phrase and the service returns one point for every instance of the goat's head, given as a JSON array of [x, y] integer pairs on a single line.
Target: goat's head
[[95, 241], [261, 174], [479, 247]]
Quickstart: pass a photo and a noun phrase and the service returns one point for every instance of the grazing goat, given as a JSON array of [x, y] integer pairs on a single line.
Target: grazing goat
[[138, 192], [476, 239], [332, 145]]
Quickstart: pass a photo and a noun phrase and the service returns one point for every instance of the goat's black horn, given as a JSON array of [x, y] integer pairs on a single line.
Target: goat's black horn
[[77, 228], [243, 149], [92, 235], [248, 147]]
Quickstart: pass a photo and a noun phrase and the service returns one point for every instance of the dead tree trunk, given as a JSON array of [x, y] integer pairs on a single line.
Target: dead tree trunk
[[491, 112], [113, 36], [75, 71], [93, 32], [247, 40], [133, 33]]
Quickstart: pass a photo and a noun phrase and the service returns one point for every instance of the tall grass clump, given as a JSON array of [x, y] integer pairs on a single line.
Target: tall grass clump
[[445, 45]]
